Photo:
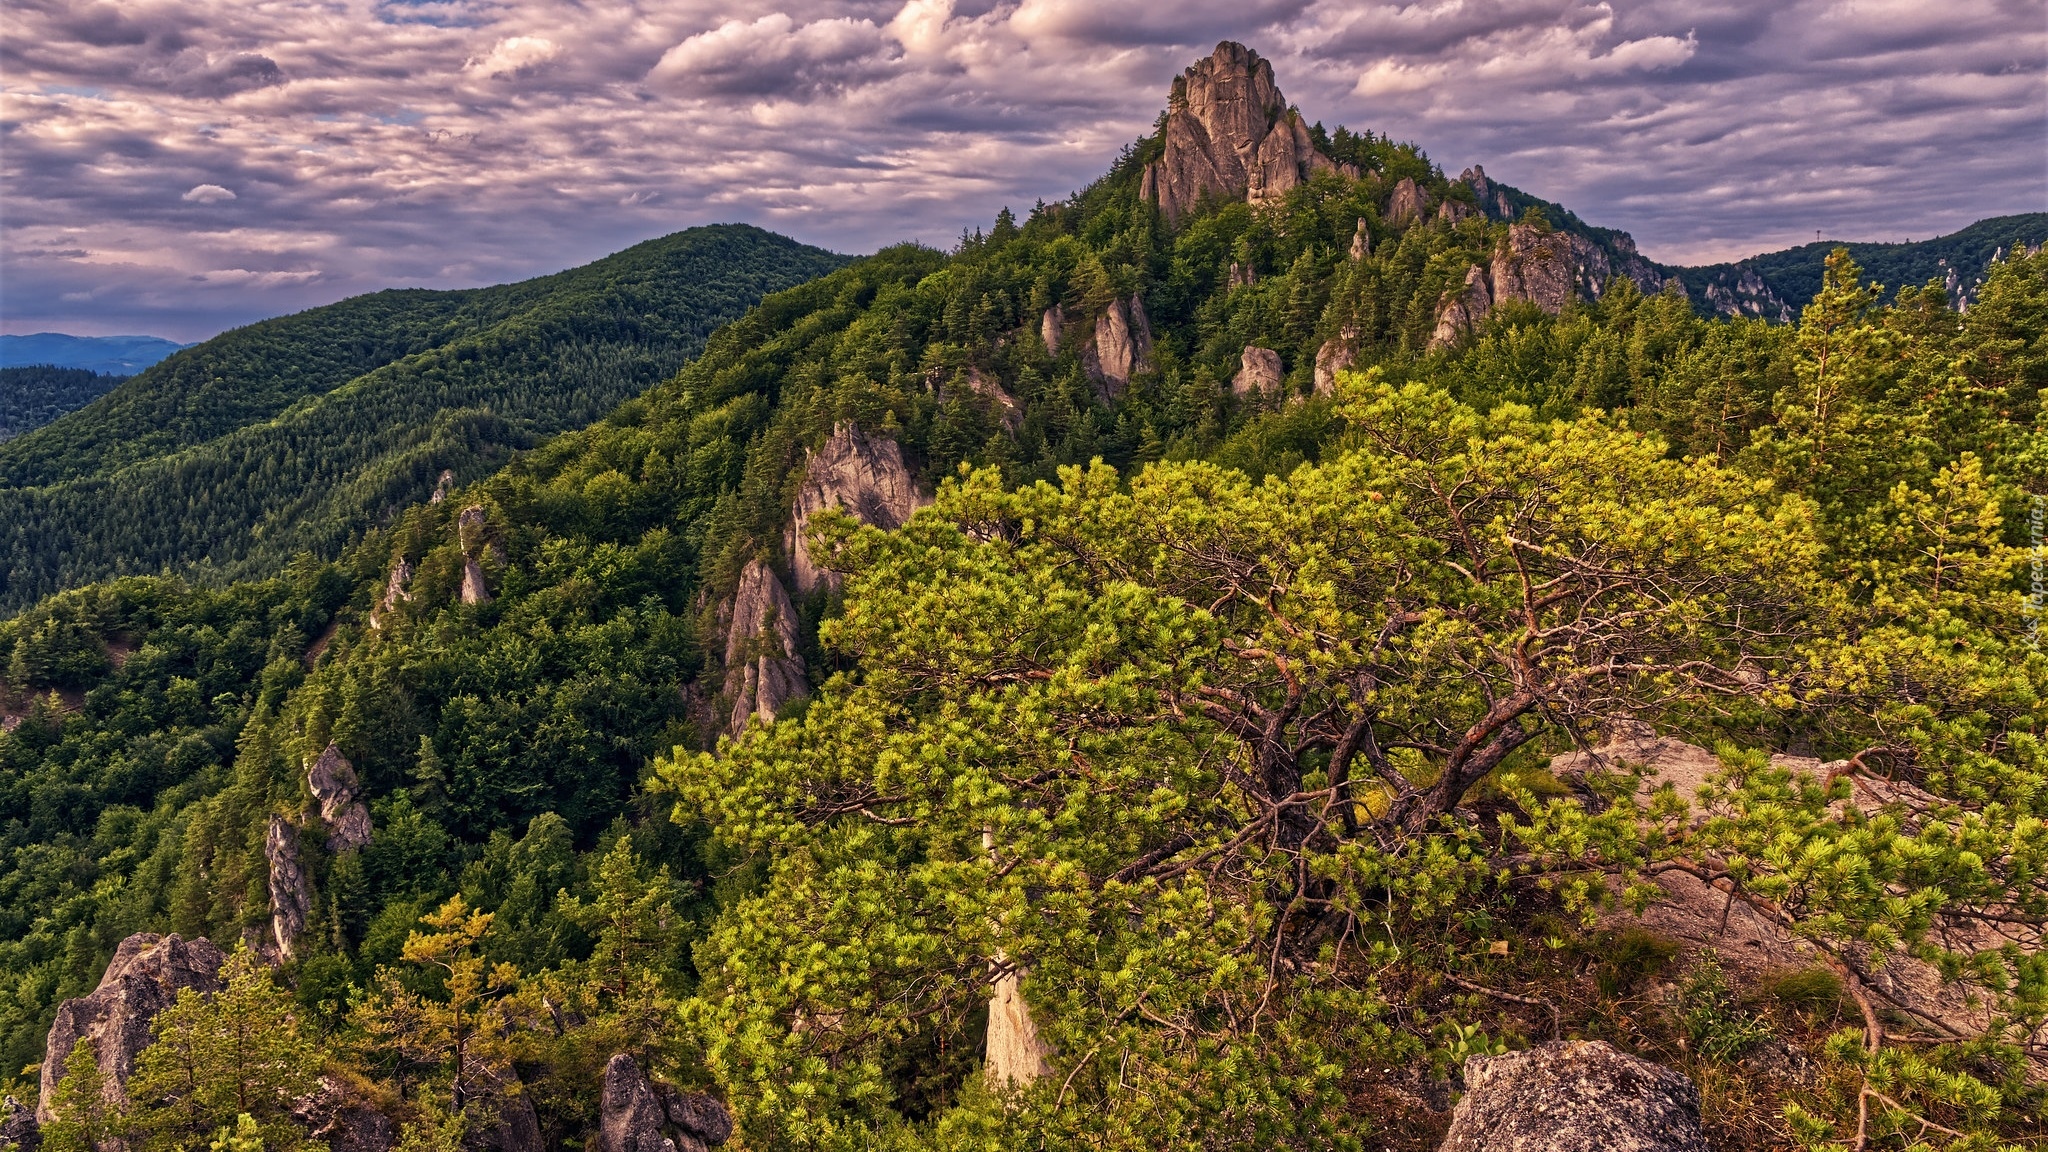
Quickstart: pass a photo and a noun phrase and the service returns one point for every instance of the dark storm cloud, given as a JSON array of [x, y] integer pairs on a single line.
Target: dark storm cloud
[[357, 144]]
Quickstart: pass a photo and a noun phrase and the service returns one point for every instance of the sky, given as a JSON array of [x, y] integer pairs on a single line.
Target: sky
[[178, 167]]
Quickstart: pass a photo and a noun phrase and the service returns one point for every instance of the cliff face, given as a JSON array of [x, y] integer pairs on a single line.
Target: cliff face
[[291, 894], [1121, 347], [146, 975], [762, 671], [1229, 133], [332, 780], [864, 475]]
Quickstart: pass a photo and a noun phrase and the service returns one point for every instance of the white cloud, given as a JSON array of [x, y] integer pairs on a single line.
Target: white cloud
[[470, 141], [514, 55]]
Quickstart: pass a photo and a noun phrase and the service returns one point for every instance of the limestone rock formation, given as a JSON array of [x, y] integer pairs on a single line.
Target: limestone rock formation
[[518, 1125], [1016, 1055], [291, 896], [1121, 348], [19, 1131], [1361, 242], [470, 524], [1229, 133], [146, 975], [396, 591], [864, 475], [332, 780], [1452, 211], [1049, 328], [1664, 759], [336, 1114], [1003, 405], [762, 671], [1258, 373], [1536, 266], [1338, 353], [1241, 276], [1574, 1096], [1407, 204], [1462, 310], [639, 1115], [1475, 179], [442, 486]]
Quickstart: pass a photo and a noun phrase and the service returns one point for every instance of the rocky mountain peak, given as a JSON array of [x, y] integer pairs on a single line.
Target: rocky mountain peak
[[1229, 133]]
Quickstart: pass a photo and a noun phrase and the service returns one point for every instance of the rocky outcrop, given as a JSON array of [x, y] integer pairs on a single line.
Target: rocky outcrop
[[1016, 1055], [442, 486], [1001, 404], [146, 975], [1407, 204], [1462, 309], [470, 525], [762, 670], [1361, 242], [1338, 353], [339, 1116], [1241, 276], [863, 474], [291, 897], [1536, 266], [1452, 211], [1049, 327], [1258, 374], [397, 590], [1229, 133], [1475, 179], [517, 1126], [640, 1115], [1574, 1096], [1121, 347], [332, 780], [19, 1131]]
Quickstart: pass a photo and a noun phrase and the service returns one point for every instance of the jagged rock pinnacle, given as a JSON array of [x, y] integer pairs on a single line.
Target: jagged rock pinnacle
[[1229, 133]]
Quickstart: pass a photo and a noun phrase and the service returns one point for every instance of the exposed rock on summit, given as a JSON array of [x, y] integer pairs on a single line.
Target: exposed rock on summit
[[1574, 1096], [1258, 374], [864, 475], [762, 671], [1229, 133], [332, 780], [146, 975], [396, 592]]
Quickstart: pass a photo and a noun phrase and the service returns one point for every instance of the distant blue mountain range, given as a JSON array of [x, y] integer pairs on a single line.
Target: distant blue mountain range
[[110, 355]]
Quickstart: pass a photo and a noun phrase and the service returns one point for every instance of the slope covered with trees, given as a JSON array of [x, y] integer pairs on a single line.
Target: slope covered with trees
[[296, 434], [32, 395], [1203, 722]]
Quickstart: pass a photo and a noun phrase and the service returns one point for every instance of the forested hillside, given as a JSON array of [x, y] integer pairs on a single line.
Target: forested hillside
[[1202, 761], [1961, 261], [297, 434], [35, 394]]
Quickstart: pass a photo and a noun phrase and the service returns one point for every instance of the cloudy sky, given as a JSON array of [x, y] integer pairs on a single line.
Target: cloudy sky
[[176, 167]]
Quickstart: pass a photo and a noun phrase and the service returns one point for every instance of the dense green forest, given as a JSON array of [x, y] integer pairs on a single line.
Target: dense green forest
[[297, 434], [1215, 724], [1960, 260], [32, 395]]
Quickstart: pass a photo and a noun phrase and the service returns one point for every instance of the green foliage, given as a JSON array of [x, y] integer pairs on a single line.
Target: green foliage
[[234, 1058], [83, 1120], [1218, 723], [300, 433], [35, 394]]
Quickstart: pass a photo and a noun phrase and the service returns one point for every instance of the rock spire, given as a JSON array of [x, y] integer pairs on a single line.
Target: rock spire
[[1229, 134]]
